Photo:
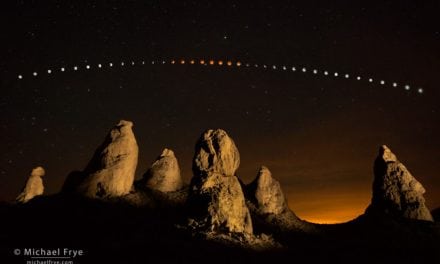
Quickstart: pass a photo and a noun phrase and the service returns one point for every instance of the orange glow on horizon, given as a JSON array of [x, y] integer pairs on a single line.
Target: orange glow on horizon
[[182, 62], [229, 63], [329, 208], [335, 218], [238, 64], [211, 62], [191, 62], [202, 62]]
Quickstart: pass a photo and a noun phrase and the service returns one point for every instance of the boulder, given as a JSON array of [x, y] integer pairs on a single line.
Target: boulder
[[216, 197], [164, 173], [33, 187], [395, 190], [111, 171]]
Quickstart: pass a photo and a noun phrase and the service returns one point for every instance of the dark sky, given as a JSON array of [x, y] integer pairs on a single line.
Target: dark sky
[[318, 134]]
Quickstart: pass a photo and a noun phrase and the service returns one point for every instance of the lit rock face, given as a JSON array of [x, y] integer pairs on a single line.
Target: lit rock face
[[164, 174], [34, 186], [395, 190], [268, 203], [216, 153], [267, 193], [111, 171], [216, 196]]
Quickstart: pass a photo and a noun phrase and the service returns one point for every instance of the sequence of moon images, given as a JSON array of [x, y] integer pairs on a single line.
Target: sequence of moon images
[[227, 63]]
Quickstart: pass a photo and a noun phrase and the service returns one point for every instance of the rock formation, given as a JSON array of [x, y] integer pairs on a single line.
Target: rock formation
[[216, 153], [216, 197], [33, 187], [111, 171], [268, 202], [164, 174], [267, 194], [395, 190]]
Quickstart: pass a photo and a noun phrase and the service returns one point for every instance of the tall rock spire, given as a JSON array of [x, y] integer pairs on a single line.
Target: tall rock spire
[[268, 203], [112, 169], [33, 187], [266, 192], [395, 190], [216, 197], [164, 173]]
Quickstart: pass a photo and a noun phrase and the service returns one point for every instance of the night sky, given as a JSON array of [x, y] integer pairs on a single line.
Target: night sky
[[317, 133]]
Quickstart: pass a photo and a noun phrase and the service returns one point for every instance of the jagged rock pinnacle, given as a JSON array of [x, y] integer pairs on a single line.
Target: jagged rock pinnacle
[[164, 174], [33, 187], [395, 190], [112, 169], [267, 193], [216, 197], [268, 203]]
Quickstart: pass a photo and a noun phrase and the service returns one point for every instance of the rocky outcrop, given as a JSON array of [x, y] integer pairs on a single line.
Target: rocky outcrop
[[164, 173], [33, 187], [216, 153], [216, 197], [395, 190], [268, 204], [111, 171], [266, 193]]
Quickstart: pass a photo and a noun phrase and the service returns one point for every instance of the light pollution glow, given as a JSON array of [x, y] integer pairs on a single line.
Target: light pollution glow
[[330, 208]]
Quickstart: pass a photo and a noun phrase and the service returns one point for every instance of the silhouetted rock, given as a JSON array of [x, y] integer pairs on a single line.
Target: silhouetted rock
[[268, 203], [33, 187], [436, 214], [73, 180], [110, 172], [395, 190], [216, 197], [164, 174]]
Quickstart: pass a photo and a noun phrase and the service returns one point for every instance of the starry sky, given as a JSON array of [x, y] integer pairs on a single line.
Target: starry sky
[[317, 133]]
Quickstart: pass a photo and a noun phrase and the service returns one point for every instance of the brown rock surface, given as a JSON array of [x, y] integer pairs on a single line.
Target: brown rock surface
[[111, 171], [395, 190], [268, 203], [33, 187], [216, 196], [164, 174]]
